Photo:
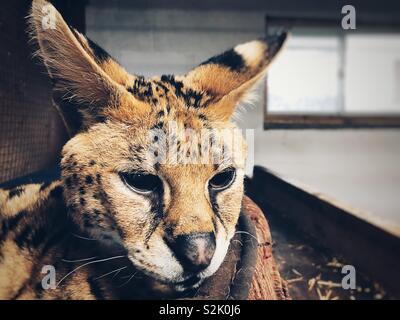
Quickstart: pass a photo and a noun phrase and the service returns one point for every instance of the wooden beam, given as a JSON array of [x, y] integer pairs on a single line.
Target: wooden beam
[[289, 121]]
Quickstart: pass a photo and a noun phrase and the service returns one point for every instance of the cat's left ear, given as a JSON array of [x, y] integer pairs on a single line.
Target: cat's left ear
[[228, 77]]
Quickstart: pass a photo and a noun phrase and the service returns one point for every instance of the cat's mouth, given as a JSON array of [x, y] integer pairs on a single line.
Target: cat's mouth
[[182, 283], [192, 282]]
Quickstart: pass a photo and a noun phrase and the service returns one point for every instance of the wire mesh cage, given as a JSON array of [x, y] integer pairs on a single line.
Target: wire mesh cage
[[31, 130]]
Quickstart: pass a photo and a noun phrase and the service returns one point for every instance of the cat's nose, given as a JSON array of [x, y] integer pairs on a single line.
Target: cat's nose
[[195, 250]]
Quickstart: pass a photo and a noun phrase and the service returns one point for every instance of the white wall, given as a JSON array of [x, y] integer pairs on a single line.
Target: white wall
[[359, 167], [375, 70]]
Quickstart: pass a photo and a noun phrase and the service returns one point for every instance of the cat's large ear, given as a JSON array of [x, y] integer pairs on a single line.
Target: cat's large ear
[[87, 83], [229, 76]]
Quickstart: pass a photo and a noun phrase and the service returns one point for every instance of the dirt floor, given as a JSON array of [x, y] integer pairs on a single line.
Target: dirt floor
[[313, 272]]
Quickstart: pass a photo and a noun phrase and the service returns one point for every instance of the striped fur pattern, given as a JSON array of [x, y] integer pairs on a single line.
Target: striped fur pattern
[[105, 239]]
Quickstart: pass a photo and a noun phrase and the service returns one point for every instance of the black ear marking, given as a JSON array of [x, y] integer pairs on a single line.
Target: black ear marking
[[274, 42], [230, 59], [100, 54]]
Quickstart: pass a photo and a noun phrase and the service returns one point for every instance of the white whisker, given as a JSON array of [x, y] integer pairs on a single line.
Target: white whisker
[[245, 232], [240, 242], [79, 260], [126, 282], [84, 238], [116, 274], [85, 264], [108, 273]]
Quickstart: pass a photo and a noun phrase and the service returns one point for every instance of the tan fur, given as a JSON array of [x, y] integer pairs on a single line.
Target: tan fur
[[16, 268]]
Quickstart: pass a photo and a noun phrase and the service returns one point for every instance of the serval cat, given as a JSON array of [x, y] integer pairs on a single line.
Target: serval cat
[[126, 220]]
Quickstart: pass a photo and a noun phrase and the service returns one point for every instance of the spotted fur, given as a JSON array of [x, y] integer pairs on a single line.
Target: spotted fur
[[105, 240]]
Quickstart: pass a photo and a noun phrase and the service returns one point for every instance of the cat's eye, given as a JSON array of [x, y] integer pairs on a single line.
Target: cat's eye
[[222, 180], [142, 182]]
